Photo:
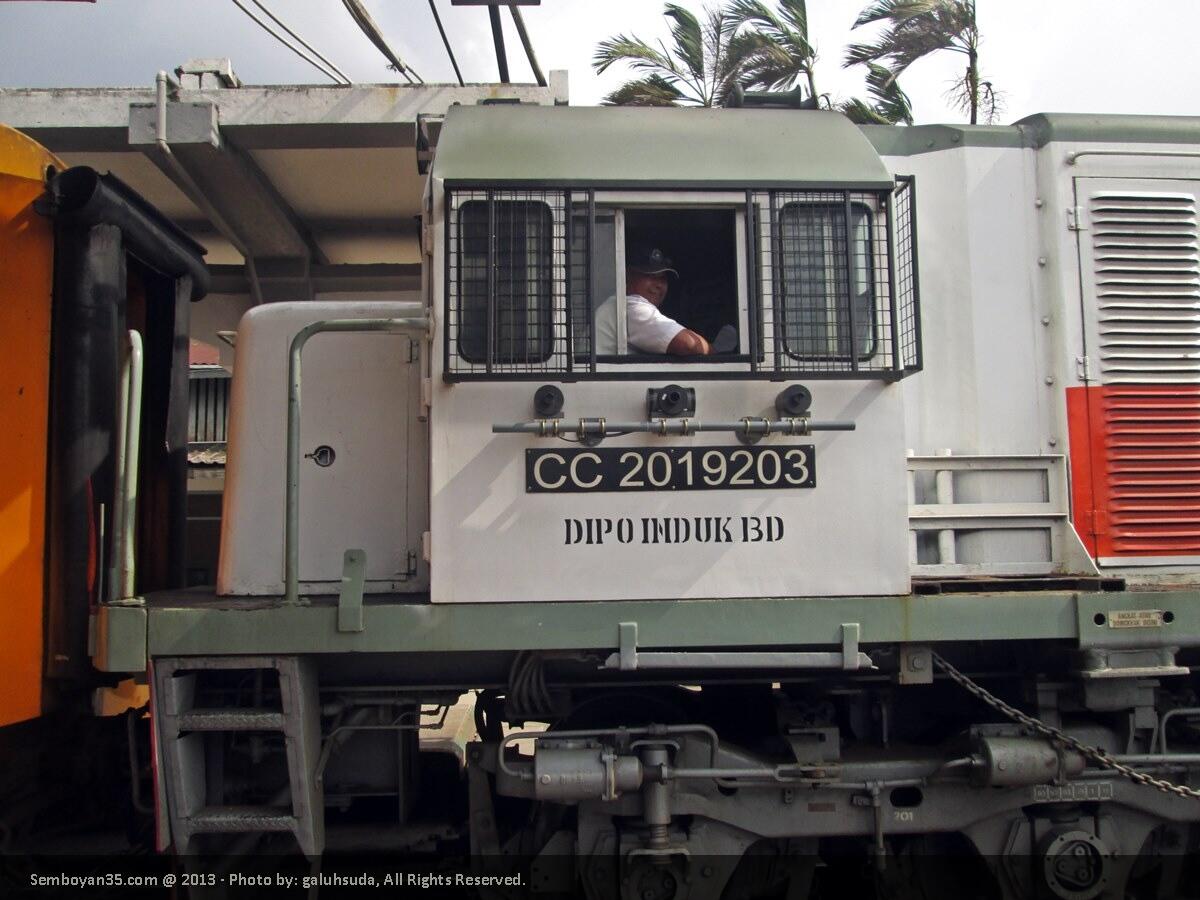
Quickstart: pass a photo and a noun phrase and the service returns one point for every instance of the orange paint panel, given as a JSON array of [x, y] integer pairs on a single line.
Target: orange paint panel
[[26, 283], [1135, 467], [1079, 429]]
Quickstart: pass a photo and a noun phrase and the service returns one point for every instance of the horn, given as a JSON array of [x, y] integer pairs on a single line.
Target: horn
[[793, 99]]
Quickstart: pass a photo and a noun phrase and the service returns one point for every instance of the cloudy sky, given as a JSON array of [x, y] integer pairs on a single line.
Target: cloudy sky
[[1043, 55]]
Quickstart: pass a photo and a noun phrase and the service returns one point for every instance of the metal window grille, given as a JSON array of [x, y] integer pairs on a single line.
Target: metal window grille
[[585, 277], [907, 287], [826, 304], [832, 281], [507, 283], [208, 410], [836, 282]]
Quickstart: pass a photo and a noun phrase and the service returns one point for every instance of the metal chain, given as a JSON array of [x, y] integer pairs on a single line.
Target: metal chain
[[1093, 753]]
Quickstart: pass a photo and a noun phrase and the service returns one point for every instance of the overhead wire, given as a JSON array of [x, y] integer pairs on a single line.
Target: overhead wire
[[446, 41], [307, 46], [527, 44], [498, 41], [327, 69], [364, 21]]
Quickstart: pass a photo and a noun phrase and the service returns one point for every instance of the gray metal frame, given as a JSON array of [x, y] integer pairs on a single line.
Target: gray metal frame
[[181, 731], [198, 624]]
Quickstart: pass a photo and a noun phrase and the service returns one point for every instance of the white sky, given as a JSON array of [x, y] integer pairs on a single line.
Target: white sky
[[1044, 55]]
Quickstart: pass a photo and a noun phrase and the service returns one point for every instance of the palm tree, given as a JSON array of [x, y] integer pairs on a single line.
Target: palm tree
[[891, 106], [917, 28], [785, 52], [705, 61]]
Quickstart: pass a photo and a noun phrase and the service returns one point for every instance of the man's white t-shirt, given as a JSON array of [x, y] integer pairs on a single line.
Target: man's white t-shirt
[[646, 329]]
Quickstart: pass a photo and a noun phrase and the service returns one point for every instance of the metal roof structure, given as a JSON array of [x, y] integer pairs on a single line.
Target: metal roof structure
[[316, 187], [658, 146]]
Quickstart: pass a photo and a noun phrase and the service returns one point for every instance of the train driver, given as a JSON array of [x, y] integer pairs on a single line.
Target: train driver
[[647, 329]]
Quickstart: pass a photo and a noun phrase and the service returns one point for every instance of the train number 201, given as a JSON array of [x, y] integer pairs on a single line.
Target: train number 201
[[671, 469]]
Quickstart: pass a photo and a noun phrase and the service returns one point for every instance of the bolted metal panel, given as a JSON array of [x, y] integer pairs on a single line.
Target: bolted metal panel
[[1135, 423]]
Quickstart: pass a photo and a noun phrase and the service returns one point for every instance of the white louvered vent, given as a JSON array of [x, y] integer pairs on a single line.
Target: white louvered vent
[[1147, 286]]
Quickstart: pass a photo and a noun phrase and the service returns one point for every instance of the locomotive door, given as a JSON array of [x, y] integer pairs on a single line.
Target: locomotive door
[[361, 457], [1135, 418]]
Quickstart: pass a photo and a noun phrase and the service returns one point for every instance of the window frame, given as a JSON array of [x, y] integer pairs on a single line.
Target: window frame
[[618, 202], [896, 340], [544, 303], [874, 295]]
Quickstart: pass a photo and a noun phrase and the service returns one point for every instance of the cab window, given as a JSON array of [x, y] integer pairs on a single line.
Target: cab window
[[701, 245], [824, 280], [515, 265], [780, 282]]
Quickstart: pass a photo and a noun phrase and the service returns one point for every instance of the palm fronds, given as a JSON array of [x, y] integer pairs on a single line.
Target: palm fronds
[[891, 105], [786, 53], [653, 90], [704, 60], [916, 28]]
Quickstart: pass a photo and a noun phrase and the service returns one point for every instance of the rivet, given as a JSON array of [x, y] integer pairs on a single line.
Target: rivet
[[1041, 260], [1045, 320], [1049, 379], [1053, 442], [545, 779], [1039, 203]]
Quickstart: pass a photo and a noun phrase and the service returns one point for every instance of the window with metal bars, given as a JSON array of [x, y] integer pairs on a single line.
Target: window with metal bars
[[506, 280], [208, 408], [828, 279]]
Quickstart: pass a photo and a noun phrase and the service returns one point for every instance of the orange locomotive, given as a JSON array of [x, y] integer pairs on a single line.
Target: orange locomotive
[[26, 284], [95, 287]]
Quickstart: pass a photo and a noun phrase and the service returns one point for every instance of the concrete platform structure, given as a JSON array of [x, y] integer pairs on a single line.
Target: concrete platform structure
[[297, 191]]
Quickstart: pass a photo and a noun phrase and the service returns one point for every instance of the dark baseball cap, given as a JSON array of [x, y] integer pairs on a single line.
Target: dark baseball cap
[[648, 261]]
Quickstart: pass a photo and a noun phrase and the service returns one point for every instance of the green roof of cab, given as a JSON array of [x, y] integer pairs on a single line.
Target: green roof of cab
[[1035, 132], [645, 147]]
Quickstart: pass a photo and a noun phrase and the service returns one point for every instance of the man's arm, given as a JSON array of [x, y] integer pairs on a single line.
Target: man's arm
[[688, 343], [649, 331]]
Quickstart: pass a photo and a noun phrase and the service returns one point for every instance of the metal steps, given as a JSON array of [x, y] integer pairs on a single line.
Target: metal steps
[[241, 819], [192, 741], [231, 720]]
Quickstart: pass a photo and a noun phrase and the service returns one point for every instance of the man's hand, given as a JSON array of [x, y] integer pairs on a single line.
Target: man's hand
[[726, 340], [688, 343]]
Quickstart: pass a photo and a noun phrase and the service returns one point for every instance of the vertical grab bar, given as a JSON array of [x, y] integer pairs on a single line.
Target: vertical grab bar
[[123, 566], [291, 538]]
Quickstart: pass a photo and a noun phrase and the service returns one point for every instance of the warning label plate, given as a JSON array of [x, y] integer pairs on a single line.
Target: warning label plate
[[1135, 618]]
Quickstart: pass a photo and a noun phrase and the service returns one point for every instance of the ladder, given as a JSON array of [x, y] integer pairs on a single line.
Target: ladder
[[193, 762]]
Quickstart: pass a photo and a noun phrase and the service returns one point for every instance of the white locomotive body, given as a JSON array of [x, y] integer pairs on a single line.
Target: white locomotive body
[[903, 568]]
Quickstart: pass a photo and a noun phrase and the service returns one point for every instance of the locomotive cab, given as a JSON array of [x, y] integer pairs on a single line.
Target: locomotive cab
[[773, 465], [781, 229]]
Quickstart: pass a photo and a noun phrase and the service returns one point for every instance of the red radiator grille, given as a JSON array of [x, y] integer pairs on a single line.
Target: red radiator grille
[[1140, 481]]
